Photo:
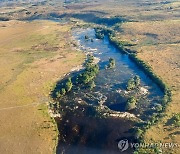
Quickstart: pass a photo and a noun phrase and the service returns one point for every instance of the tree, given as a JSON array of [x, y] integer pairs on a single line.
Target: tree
[[138, 133], [130, 84], [90, 59], [112, 63], [85, 77], [158, 107], [68, 85], [58, 94], [91, 85], [63, 91], [137, 80], [133, 83], [86, 37], [90, 73], [131, 103], [176, 120], [99, 33]]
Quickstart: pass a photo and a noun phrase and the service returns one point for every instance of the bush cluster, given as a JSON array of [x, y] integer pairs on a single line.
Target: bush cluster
[[133, 83], [176, 120], [131, 103], [64, 89], [112, 63], [91, 71]]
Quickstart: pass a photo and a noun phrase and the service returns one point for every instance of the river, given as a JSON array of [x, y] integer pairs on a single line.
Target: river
[[81, 128]]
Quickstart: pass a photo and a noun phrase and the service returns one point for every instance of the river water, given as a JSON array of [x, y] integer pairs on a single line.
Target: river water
[[81, 128]]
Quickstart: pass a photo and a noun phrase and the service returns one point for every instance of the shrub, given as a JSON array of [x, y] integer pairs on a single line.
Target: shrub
[[90, 59], [90, 73], [58, 94], [131, 84], [158, 107], [138, 133], [86, 37], [176, 120], [154, 118], [63, 91], [99, 33], [131, 103], [112, 63], [137, 80], [91, 85], [68, 85]]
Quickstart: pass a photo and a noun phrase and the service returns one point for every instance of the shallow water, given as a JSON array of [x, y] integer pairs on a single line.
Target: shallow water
[[81, 129]]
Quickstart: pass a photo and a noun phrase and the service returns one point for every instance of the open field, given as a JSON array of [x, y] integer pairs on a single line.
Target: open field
[[165, 62], [151, 32], [33, 56]]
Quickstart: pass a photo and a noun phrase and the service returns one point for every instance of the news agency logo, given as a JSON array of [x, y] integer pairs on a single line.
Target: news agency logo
[[123, 145]]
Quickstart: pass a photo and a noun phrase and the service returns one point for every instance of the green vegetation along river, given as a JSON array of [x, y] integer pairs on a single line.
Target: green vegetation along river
[[94, 120]]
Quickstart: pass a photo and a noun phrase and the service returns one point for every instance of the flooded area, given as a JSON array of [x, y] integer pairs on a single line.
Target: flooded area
[[84, 126]]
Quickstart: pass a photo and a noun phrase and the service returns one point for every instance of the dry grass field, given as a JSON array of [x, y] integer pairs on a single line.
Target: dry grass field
[[33, 56], [151, 32]]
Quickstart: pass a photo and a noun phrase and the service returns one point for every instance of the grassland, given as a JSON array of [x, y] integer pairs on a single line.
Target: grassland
[[33, 56]]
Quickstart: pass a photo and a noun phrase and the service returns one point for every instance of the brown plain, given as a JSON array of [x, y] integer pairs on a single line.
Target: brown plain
[[27, 76]]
